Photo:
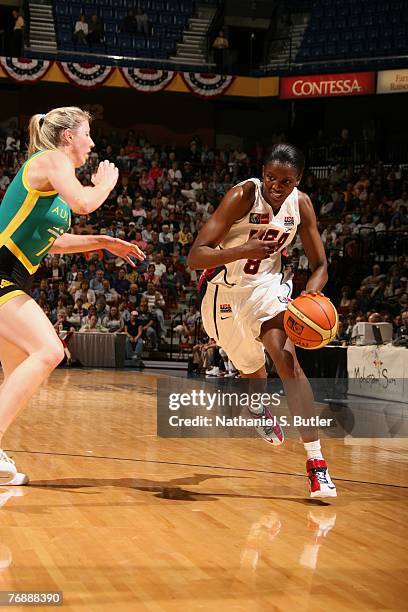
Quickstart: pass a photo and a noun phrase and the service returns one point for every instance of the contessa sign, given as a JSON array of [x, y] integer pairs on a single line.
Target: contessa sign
[[327, 85], [392, 81]]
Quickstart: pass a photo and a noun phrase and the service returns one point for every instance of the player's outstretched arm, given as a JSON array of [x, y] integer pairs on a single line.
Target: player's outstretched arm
[[237, 202], [313, 245], [71, 243], [82, 200]]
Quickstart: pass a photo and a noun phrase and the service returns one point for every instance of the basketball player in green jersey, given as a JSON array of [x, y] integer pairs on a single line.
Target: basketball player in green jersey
[[35, 216]]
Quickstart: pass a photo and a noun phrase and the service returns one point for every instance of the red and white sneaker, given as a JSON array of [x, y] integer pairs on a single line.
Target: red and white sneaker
[[320, 483], [270, 433]]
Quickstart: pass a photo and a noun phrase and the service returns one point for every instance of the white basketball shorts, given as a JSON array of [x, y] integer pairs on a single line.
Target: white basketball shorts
[[233, 317]]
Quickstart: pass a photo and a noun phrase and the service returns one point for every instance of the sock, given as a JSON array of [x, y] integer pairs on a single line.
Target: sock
[[313, 450]]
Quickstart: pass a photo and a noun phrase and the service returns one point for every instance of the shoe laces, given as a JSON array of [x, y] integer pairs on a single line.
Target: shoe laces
[[321, 475], [268, 429], [5, 457]]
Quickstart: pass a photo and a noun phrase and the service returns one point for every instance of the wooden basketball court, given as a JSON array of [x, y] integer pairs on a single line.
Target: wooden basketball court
[[119, 519]]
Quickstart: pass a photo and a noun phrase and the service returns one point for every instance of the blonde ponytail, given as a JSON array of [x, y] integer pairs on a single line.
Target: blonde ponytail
[[45, 131]]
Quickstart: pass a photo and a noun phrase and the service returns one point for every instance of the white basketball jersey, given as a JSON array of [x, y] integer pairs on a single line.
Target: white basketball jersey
[[281, 227]]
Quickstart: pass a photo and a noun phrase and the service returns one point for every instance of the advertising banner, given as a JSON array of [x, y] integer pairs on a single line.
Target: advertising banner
[[327, 85], [392, 81]]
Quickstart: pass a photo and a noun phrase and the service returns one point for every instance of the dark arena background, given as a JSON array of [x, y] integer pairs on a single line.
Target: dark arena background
[[123, 512]]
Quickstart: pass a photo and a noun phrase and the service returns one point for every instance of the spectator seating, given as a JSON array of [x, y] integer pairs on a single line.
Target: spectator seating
[[167, 20], [346, 29]]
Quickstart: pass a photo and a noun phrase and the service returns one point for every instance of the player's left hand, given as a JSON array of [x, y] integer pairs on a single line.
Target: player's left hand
[[125, 250], [311, 292]]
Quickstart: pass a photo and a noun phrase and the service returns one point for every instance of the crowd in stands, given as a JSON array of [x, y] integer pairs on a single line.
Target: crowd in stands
[[163, 198], [90, 31], [87, 31]]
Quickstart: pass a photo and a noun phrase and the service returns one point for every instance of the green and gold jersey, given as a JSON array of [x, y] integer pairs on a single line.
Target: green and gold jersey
[[30, 221]]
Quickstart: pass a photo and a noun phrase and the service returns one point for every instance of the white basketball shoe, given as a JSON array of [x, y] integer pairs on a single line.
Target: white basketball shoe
[[8, 472]]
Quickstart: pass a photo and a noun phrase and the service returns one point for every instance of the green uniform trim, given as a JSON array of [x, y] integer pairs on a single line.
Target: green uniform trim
[[31, 220]]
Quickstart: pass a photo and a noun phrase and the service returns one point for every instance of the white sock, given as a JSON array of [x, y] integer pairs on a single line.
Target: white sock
[[313, 450]]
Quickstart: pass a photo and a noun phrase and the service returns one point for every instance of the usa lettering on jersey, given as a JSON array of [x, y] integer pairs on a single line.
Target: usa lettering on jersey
[[280, 227]]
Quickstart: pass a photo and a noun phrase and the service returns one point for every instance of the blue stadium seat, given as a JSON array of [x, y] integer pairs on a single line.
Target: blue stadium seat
[[372, 46], [138, 43], [65, 26], [360, 34], [120, 13], [381, 18], [400, 30], [155, 17], [110, 26], [168, 44], [343, 48], [343, 11], [63, 19], [372, 32], [386, 45], [179, 20], [316, 51], [186, 7], [125, 40], [156, 5], [357, 47], [110, 39], [382, 7], [106, 12], [327, 24], [159, 29], [401, 43], [61, 9], [330, 48], [341, 23], [65, 37], [166, 18], [354, 21], [395, 17], [152, 43], [98, 48]]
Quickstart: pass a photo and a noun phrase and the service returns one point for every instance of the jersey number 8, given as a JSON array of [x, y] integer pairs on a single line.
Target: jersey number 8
[[252, 265]]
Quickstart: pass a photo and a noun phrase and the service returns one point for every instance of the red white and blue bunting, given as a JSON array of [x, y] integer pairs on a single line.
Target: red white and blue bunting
[[87, 76], [90, 76], [207, 85], [147, 80], [25, 70]]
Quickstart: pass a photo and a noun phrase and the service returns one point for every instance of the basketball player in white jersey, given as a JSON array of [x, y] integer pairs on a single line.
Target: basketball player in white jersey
[[246, 293]]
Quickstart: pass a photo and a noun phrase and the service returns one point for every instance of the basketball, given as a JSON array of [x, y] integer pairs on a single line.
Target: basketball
[[311, 321]]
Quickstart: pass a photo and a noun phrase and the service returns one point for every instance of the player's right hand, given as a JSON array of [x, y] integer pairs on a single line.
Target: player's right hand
[[106, 175], [256, 248]]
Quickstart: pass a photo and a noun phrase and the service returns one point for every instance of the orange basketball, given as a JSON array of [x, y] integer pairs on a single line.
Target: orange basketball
[[311, 321]]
